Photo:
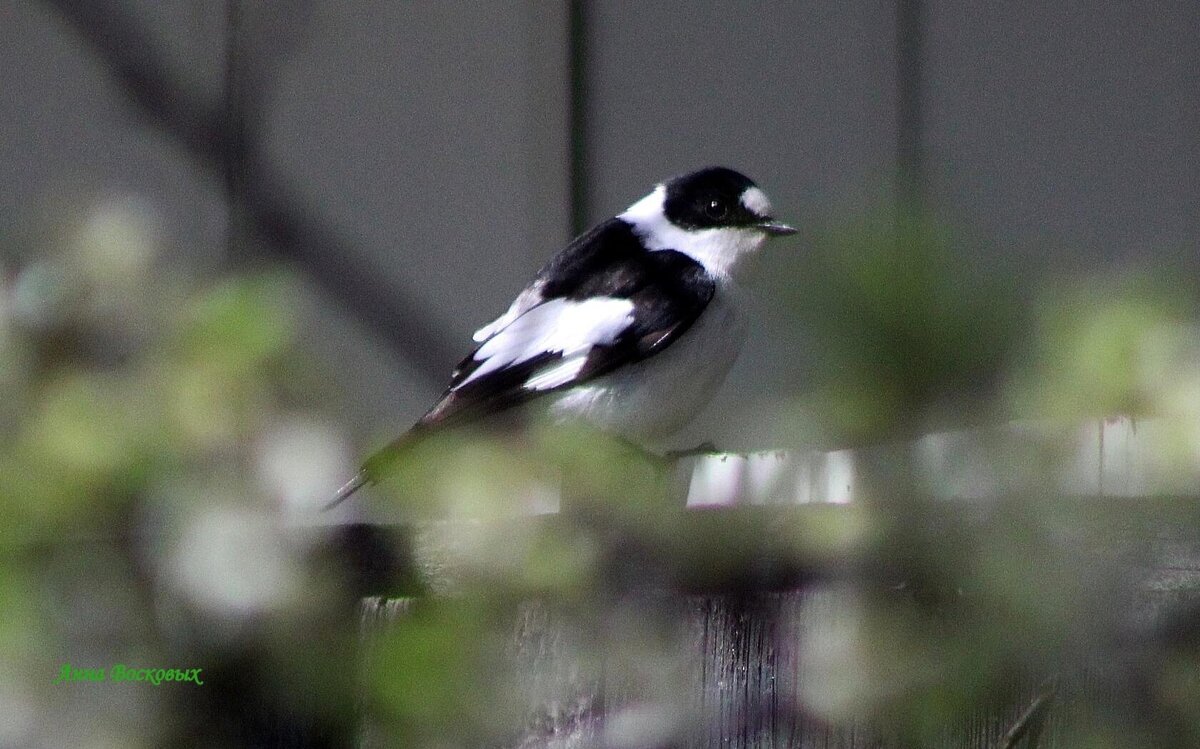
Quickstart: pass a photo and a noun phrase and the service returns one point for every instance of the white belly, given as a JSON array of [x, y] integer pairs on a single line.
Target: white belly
[[652, 399]]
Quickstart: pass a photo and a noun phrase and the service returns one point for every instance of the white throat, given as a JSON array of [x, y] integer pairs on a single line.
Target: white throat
[[718, 250]]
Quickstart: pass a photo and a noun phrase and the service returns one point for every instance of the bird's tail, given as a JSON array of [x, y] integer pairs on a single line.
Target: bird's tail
[[351, 486], [377, 465]]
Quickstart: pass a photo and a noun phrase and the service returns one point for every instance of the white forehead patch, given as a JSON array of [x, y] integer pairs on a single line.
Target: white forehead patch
[[756, 201]]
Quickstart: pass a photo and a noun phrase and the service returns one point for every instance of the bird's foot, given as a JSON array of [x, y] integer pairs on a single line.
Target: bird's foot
[[704, 448]]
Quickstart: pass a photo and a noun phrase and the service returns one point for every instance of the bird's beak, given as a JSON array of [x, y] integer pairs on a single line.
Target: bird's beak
[[775, 228]]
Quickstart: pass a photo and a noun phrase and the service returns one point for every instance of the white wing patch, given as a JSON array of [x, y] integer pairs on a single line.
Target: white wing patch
[[524, 301], [559, 326], [560, 374]]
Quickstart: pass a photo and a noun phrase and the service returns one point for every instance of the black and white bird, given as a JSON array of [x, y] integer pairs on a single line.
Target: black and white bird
[[631, 328]]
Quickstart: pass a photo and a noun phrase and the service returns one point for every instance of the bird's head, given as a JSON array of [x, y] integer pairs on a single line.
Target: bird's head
[[715, 215]]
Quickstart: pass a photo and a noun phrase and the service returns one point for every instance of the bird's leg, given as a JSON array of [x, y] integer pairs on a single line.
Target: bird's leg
[[637, 449]]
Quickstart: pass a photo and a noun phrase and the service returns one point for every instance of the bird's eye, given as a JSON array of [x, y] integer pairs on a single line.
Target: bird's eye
[[716, 209]]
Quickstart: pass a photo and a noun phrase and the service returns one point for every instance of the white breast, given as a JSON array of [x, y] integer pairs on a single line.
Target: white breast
[[650, 400]]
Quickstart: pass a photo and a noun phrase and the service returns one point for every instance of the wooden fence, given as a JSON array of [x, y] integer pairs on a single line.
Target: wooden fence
[[758, 620]]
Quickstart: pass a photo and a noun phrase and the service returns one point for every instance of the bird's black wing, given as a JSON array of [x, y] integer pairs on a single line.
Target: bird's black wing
[[601, 303]]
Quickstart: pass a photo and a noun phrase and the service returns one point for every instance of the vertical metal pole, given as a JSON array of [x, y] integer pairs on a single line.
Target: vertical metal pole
[[234, 148], [577, 52], [909, 74]]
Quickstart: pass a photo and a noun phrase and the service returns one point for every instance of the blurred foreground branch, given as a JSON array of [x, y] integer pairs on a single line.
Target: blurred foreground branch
[[273, 210]]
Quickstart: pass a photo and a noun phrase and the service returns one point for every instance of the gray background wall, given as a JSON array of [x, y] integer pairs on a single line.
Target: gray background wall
[[437, 141]]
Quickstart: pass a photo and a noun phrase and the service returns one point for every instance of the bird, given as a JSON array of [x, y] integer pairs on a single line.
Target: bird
[[631, 328]]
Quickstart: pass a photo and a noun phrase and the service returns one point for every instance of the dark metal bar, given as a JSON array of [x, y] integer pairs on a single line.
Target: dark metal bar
[[577, 121], [235, 123], [909, 116]]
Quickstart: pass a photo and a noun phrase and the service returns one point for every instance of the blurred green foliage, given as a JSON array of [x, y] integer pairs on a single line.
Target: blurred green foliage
[[161, 462], [909, 332], [1113, 345], [136, 525]]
